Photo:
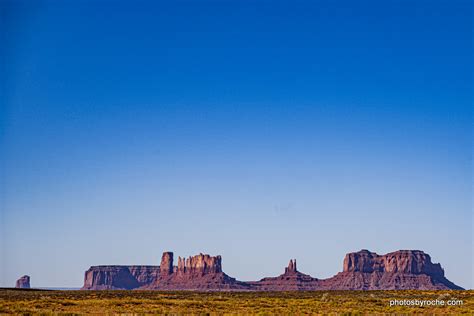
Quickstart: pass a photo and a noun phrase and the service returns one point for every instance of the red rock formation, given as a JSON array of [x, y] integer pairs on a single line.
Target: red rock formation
[[144, 274], [200, 264], [201, 272], [403, 269], [119, 277], [403, 261], [23, 282], [166, 266], [291, 280], [363, 270], [291, 267]]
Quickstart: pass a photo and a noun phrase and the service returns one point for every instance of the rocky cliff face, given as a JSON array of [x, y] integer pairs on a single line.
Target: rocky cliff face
[[166, 265], [119, 277], [23, 282], [403, 261], [404, 269], [200, 264], [291, 267], [363, 270], [200, 272]]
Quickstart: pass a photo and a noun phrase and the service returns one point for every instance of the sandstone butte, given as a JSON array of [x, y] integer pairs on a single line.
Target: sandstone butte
[[23, 282], [363, 270]]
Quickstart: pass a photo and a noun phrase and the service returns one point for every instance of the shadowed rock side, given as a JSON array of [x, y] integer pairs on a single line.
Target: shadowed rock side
[[363, 270], [23, 282], [119, 277]]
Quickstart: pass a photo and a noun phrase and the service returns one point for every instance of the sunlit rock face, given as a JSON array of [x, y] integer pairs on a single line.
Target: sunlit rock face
[[362, 270], [201, 272], [402, 261], [403, 269]]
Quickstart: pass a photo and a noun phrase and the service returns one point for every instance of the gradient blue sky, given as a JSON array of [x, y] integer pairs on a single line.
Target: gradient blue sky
[[258, 130]]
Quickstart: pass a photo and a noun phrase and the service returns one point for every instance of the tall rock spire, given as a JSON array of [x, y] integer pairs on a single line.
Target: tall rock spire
[[291, 266], [166, 266]]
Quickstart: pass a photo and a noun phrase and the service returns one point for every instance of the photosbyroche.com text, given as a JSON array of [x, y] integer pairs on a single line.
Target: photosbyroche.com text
[[423, 303]]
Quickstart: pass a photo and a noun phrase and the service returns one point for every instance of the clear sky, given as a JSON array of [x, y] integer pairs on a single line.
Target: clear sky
[[257, 130]]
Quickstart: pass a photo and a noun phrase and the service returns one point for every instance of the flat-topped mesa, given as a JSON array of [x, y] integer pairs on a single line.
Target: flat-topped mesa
[[291, 267], [363, 270], [402, 261], [200, 264], [399, 270], [119, 277]]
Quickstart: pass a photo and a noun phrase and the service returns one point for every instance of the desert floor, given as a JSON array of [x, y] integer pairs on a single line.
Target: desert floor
[[320, 302]]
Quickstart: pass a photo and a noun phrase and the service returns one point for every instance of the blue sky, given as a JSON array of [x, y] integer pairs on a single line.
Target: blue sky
[[258, 130]]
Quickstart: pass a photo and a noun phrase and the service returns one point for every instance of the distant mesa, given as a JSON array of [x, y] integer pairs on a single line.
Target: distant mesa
[[363, 270], [201, 272], [23, 282], [399, 270]]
